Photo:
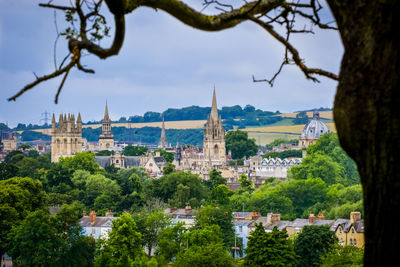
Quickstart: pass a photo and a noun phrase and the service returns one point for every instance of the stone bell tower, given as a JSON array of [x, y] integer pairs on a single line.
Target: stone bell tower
[[66, 139], [214, 135], [106, 138]]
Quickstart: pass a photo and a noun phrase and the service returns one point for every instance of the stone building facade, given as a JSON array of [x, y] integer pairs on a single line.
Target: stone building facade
[[350, 231], [214, 135], [213, 154], [66, 139]]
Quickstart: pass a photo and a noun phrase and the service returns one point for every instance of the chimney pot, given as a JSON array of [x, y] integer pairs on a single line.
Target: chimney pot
[[355, 216], [312, 218], [188, 209], [92, 216], [321, 217]]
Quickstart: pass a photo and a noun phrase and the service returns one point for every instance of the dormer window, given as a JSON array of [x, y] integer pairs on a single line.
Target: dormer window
[[352, 231]]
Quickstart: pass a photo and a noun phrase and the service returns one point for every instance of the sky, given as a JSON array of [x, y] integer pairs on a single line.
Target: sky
[[162, 64]]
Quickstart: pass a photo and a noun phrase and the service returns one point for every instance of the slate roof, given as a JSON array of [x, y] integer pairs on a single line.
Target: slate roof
[[241, 222], [99, 222], [300, 223], [346, 225], [159, 160], [270, 226], [181, 213]]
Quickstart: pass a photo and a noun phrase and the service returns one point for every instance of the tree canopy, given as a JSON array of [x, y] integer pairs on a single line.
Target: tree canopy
[[240, 145]]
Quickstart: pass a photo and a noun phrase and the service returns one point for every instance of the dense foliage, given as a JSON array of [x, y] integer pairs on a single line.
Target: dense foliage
[[269, 249], [240, 145], [326, 182], [284, 154], [312, 243]]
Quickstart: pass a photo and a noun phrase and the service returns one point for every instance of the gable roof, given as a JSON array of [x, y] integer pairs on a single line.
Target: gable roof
[[346, 225]]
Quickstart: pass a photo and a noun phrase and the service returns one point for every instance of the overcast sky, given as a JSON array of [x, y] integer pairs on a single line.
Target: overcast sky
[[163, 64]]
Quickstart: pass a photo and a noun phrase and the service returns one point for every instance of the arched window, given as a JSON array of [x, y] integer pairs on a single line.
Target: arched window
[[352, 231], [355, 242], [351, 241], [216, 150]]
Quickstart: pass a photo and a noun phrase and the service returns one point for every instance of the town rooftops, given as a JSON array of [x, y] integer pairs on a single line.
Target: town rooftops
[[98, 222], [300, 223], [187, 212], [270, 224]]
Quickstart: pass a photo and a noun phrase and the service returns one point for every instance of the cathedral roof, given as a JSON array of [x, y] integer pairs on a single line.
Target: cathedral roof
[[315, 128]]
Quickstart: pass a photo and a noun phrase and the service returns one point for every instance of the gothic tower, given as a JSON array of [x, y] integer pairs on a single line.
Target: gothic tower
[[214, 135], [163, 139], [66, 139], [106, 138]]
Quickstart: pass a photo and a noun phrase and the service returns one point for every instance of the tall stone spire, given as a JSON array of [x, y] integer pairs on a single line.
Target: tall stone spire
[[214, 136], [214, 109], [106, 117], [163, 139]]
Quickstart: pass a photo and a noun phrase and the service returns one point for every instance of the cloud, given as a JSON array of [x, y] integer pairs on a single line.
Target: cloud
[[163, 63]]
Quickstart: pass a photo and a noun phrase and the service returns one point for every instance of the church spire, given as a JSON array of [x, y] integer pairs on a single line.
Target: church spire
[[163, 139], [214, 109], [106, 117]]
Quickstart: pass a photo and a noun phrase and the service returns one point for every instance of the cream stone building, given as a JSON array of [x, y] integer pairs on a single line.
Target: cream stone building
[[66, 139], [214, 135], [312, 131], [9, 144], [213, 154], [350, 231], [106, 138]]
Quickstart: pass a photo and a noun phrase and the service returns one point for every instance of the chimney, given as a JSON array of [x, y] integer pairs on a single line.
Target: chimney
[[273, 218], [109, 213], [172, 210], [158, 154], [355, 216], [312, 218], [84, 214], [321, 217], [92, 216], [188, 209], [254, 216]]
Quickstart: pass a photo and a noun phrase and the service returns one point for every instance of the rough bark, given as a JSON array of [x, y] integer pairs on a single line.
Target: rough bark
[[367, 112]]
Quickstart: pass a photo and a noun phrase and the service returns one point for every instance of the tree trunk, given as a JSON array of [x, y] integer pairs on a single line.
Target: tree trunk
[[367, 111]]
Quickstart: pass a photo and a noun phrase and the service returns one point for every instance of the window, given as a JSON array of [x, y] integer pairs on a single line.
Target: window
[[340, 230], [240, 228], [117, 161], [352, 231], [355, 242], [351, 241]]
